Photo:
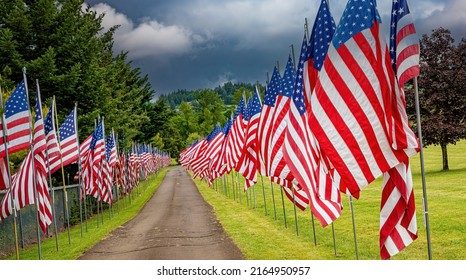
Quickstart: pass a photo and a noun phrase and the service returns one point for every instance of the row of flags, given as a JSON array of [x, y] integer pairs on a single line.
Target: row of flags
[[49, 150], [333, 125]]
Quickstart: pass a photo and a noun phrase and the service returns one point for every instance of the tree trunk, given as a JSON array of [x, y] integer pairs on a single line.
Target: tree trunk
[[444, 156]]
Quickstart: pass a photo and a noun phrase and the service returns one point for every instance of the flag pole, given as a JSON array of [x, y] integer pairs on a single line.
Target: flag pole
[[263, 194], [118, 160], [240, 194], [34, 178], [82, 194], [273, 198], [306, 28], [5, 142], [65, 195], [82, 198], [292, 187], [283, 205], [354, 226], [295, 215], [51, 185], [421, 156]]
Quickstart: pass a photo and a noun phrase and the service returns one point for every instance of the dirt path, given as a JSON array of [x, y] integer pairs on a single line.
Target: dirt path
[[175, 224]]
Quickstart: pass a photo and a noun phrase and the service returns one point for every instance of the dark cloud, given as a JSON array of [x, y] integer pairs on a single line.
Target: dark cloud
[[191, 44]]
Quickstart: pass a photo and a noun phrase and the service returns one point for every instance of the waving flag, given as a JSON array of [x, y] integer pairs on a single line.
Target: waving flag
[[51, 134], [235, 138], [301, 149], [355, 99], [17, 121], [404, 43], [68, 143], [398, 227], [249, 163], [277, 167], [32, 174]]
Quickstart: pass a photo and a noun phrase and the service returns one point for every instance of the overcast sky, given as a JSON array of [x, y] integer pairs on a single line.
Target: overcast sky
[[192, 44]]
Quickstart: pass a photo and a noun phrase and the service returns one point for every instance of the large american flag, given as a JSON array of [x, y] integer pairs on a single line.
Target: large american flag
[[31, 177], [398, 227], [355, 99], [17, 121], [68, 143], [301, 149]]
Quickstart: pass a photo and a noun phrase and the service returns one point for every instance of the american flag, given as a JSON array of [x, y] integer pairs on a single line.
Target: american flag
[[94, 160], [218, 163], [236, 145], [51, 134], [398, 227], [111, 151], [68, 143], [264, 130], [31, 177], [351, 105], [249, 163], [277, 167], [201, 163], [404, 43], [301, 150], [17, 121]]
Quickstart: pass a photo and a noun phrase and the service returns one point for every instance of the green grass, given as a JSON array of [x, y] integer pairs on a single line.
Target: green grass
[[127, 210], [262, 237]]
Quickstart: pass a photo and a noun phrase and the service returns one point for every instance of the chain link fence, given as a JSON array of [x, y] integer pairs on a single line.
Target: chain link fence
[[26, 221]]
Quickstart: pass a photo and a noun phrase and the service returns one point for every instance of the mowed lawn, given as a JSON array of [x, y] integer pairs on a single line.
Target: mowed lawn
[[261, 234]]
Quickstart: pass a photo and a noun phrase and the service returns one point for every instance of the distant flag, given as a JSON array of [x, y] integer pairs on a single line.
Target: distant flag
[[111, 151], [17, 121]]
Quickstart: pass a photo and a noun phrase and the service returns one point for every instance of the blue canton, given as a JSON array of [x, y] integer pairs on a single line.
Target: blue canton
[[358, 15]]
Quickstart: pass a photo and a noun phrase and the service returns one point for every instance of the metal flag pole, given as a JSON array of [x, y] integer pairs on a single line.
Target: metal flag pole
[[240, 194], [423, 173], [34, 179], [295, 215], [65, 195], [354, 226], [82, 194], [233, 184], [50, 183], [254, 194], [334, 240], [118, 160], [283, 205], [273, 199], [292, 187], [263, 194], [7, 159]]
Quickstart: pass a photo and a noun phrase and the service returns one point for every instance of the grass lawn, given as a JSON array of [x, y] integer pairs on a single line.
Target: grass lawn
[[121, 214], [262, 235]]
